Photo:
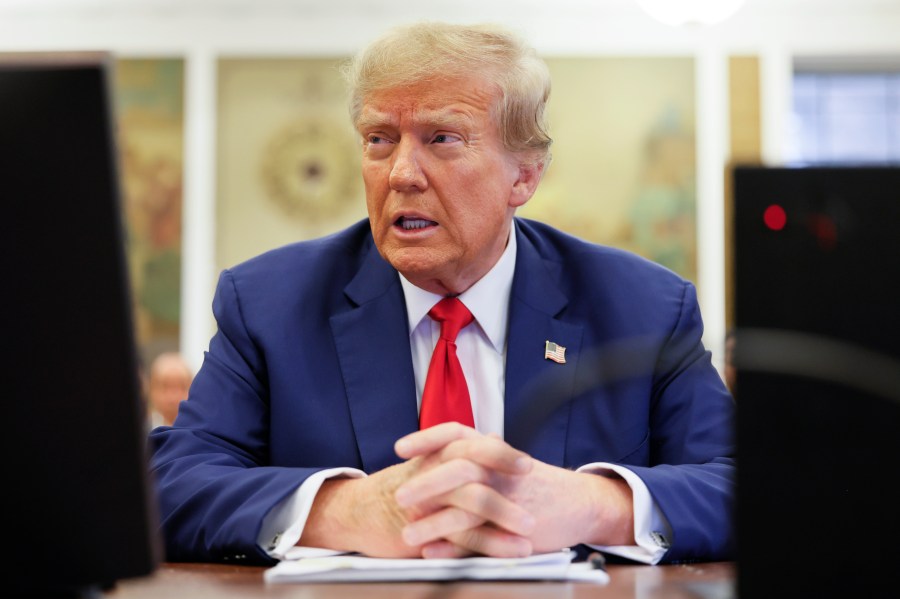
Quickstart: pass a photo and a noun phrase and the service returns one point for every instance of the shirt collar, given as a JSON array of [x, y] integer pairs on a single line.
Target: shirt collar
[[487, 299]]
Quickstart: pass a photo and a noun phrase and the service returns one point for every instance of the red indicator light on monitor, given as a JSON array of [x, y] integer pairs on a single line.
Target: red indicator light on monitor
[[775, 217]]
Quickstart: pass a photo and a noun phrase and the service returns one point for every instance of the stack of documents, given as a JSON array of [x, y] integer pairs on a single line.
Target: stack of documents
[[358, 568]]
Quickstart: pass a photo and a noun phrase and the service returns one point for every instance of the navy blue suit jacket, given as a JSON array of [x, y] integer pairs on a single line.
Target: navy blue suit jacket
[[311, 368]]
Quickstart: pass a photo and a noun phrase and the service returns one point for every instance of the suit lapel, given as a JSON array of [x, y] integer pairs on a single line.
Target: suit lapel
[[372, 341], [538, 390]]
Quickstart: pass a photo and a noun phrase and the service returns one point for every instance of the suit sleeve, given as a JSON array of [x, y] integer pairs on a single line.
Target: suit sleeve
[[213, 481], [691, 475]]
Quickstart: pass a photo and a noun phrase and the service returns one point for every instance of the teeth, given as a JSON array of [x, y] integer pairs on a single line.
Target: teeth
[[415, 223]]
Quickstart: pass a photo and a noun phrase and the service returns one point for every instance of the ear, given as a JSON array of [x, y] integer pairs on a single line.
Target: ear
[[530, 174]]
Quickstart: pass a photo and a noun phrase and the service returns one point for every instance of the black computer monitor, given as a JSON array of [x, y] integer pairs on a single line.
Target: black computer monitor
[[80, 510], [817, 315]]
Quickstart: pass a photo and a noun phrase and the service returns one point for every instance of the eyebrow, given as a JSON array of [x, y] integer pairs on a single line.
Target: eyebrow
[[370, 119]]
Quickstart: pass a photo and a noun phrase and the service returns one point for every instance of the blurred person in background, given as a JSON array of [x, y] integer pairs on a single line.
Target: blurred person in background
[[168, 382]]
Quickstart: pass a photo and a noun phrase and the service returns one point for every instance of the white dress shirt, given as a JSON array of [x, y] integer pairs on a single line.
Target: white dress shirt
[[481, 348]]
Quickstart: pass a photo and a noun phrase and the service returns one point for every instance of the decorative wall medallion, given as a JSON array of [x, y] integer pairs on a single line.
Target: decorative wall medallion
[[309, 168]]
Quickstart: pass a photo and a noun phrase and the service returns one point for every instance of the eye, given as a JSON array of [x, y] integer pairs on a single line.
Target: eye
[[377, 146], [445, 138]]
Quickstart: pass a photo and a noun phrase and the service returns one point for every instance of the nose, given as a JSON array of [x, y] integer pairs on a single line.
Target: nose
[[406, 170]]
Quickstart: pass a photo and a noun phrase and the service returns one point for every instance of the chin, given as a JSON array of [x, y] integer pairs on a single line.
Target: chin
[[413, 262], [411, 266]]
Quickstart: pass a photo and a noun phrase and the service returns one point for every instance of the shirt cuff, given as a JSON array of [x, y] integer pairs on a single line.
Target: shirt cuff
[[651, 529], [283, 525]]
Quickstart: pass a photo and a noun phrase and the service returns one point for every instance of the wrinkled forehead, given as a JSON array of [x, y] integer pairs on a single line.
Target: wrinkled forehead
[[463, 101]]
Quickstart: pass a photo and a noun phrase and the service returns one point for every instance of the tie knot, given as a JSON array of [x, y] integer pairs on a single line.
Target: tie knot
[[453, 316]]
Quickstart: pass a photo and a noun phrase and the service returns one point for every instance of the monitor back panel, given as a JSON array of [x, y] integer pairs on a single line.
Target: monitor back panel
[[82, 512], [817, 312]]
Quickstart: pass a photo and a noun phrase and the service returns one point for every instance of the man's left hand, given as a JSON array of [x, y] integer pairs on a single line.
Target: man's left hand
[[568, 507]]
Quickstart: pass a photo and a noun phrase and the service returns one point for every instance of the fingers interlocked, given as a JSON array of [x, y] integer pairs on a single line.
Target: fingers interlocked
[[463, 512]]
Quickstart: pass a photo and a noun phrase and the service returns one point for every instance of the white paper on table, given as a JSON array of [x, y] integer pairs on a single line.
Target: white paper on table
[[358, 568]]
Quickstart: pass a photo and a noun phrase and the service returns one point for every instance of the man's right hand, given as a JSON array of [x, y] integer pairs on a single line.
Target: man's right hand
[[361, 515]]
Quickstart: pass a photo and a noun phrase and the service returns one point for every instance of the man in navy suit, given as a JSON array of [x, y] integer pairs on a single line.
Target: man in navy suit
[[599, 420]]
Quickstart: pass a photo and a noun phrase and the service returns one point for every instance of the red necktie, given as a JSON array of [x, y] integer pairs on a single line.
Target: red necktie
[[446, 396]]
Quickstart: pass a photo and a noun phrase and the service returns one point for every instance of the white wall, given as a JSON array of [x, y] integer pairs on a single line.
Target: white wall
[[203, 30]]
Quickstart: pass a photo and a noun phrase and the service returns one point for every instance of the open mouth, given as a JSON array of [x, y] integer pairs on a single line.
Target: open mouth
[[411, 223]]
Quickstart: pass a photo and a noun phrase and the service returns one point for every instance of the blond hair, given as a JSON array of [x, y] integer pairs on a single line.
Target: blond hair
[[427, 51]]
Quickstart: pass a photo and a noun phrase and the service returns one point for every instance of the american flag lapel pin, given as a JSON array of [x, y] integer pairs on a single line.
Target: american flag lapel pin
[[555, 352]]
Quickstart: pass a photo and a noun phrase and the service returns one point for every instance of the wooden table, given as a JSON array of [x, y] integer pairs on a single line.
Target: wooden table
[[202, 581]]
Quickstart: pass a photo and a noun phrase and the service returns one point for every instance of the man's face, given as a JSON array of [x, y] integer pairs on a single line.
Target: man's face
[[441, 188]]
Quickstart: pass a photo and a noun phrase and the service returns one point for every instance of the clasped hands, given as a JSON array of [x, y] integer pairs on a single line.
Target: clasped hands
[[461, 493]]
